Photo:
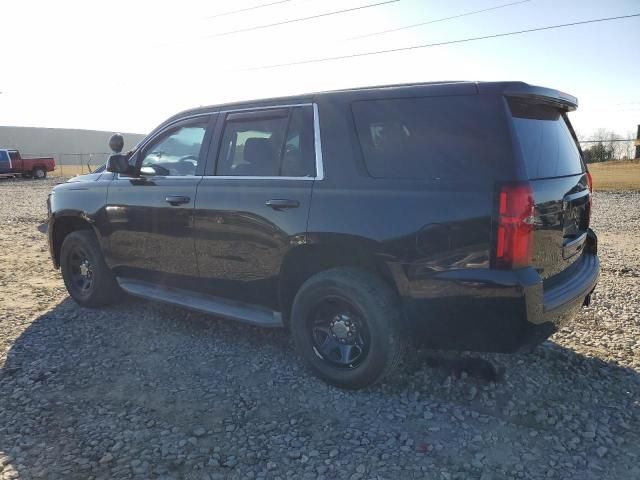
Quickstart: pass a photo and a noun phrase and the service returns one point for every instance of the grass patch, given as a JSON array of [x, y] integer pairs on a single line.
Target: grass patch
[[616, 175]]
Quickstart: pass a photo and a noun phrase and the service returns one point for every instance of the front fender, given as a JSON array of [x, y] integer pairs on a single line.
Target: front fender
[[72, 206]]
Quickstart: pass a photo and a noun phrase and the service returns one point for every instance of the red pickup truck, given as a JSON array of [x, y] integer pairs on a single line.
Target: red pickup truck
[[12, 163]]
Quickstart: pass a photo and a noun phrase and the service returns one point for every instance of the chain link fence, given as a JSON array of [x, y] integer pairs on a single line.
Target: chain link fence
[[71, 164]]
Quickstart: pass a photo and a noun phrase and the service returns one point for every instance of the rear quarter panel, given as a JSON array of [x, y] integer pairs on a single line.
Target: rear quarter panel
[[414, 227], [431, 238]]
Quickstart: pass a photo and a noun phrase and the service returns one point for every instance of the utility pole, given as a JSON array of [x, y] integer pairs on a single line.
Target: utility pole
[[638, 143]]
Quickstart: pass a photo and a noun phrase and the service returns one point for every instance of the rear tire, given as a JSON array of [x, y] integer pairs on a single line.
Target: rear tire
[[348, 327], [88, 279], [39, 173]]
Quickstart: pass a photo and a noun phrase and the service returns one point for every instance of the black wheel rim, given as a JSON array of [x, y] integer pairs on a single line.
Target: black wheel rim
[[339, 333], [81, 271]]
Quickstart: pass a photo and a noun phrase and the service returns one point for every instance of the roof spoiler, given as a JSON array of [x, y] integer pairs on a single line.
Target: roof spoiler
[[548, 96]]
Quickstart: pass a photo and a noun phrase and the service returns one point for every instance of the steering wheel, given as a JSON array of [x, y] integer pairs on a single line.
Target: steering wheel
[[187, 165], [157, 170]]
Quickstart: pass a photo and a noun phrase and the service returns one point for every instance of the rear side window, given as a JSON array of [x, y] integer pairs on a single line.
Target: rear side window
[[432, 138], [547, 144], [276, 143]]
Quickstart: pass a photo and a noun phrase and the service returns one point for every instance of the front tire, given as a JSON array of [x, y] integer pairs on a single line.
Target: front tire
[[348, 327], [88, 279]]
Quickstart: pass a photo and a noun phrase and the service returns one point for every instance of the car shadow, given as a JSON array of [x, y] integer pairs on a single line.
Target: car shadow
[[78, 382]]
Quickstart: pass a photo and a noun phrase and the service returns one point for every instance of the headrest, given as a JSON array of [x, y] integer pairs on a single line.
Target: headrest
[[258, 150]]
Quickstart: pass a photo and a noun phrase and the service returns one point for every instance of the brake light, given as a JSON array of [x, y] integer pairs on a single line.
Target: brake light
[[590, 206], [514, 235]]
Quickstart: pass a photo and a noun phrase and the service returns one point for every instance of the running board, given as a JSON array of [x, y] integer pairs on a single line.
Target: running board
[[243, 312]]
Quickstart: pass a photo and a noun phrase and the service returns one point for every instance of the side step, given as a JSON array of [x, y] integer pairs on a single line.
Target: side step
[[243, 312]]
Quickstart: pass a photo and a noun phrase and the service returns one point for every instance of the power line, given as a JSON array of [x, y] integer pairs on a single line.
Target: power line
[[450, 42], [301, 19], [248, 8], [439, 20]]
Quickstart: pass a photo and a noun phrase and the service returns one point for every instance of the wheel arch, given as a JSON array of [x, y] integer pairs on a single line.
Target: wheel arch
[[337, 250], [62, 225]]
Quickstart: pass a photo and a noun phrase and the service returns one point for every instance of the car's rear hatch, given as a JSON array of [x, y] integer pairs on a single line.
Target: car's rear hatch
[[559, 182]]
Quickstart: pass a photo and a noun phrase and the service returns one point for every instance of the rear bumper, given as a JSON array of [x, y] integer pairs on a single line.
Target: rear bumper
[[496, 311]]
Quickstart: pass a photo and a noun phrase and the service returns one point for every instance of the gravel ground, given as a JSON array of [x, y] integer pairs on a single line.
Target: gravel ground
[[147, 391]]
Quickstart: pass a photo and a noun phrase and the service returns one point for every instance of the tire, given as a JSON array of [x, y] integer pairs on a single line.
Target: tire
[[39, 173], [363, 313], [86, 276]]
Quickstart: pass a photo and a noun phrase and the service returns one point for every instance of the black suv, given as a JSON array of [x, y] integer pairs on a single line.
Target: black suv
[[455, 214]]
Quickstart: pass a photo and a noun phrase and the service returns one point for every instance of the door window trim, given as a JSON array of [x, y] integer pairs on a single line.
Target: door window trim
[[317, 144]]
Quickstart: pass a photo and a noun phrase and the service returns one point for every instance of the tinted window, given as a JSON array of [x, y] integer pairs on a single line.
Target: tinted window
[[548, 147], [434, 138], [14, 155], [298, 158], [3, 156], [271, 144], [175, 153]]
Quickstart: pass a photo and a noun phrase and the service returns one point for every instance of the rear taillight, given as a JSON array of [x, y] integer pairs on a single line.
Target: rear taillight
[[590, 206], [514, 235]]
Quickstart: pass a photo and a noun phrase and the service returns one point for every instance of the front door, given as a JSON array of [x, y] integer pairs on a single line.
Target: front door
[[252, 205], [150, 214]]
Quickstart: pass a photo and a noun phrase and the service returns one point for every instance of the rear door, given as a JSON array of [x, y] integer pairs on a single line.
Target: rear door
[[559, 181], [252, 205]]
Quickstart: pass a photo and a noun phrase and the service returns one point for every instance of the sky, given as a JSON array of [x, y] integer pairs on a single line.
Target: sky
[[128, 65]]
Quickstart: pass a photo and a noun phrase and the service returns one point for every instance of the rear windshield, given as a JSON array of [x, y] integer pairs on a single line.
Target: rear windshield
[[548, 147], [434, 138]]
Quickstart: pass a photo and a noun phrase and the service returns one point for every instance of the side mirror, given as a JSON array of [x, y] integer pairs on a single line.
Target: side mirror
[[116, 142], [118, 163]]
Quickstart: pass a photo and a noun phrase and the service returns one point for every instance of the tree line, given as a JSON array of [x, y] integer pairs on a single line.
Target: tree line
[[607, 145]]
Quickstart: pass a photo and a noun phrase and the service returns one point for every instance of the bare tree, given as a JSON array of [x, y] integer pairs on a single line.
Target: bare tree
[[607, 145]]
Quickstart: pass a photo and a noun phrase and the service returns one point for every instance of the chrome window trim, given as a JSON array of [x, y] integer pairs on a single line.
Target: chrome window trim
[[151, 177], [239, 177], [268, 107], [317, 144]]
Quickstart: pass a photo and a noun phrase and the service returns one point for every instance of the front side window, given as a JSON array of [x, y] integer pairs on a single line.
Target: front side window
[[176, 153], [276, 143]]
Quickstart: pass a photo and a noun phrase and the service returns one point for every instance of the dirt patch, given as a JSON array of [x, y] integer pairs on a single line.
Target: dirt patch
[[141, 390]]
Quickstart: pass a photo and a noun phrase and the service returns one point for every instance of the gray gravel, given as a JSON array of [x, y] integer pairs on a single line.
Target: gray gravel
[[142, 390]]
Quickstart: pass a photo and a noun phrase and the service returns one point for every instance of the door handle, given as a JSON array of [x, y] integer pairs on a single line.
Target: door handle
[[280, 204], [176, 200]]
